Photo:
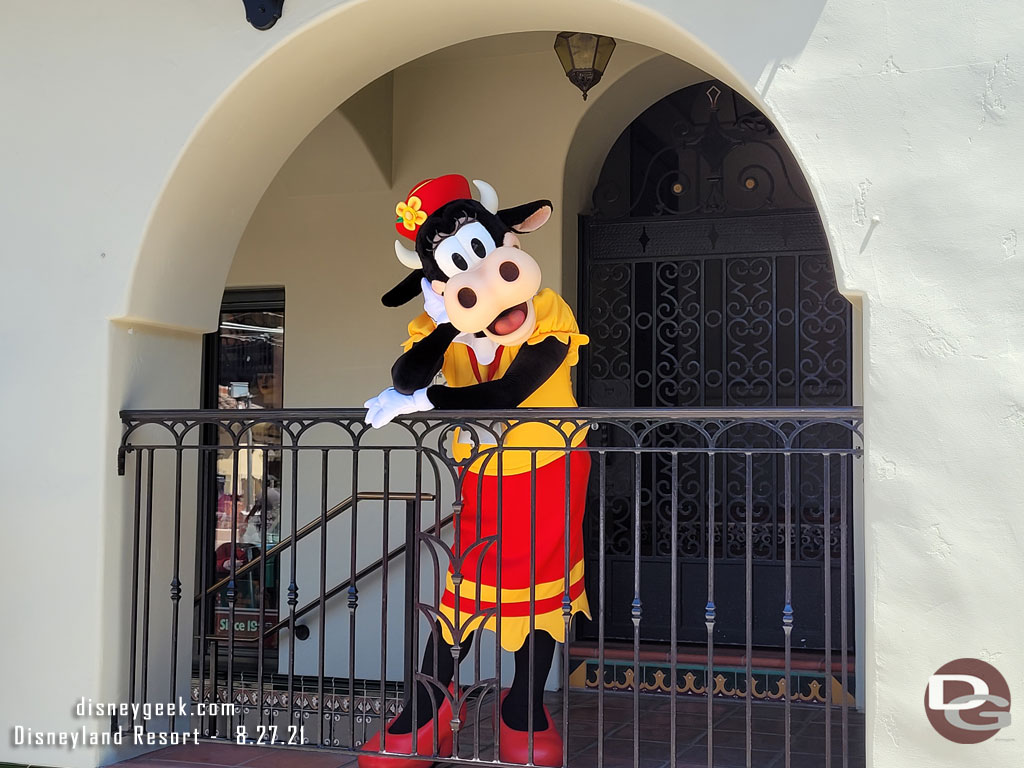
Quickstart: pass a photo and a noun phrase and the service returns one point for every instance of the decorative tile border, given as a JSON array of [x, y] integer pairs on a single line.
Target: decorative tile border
[[275, 700], [767, 685]]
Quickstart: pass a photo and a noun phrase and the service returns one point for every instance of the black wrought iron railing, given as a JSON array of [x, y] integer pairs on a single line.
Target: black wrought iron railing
[[739, 522]]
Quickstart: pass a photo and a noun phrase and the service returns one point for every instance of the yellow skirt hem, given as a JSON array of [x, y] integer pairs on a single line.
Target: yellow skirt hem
[[515, 629]]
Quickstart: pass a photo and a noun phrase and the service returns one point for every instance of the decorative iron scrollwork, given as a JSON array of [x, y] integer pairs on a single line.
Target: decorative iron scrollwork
[[708, 283], [702, 150]]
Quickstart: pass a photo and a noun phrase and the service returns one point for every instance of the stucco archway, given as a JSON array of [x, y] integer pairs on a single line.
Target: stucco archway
[[237, 147], [240, 144]]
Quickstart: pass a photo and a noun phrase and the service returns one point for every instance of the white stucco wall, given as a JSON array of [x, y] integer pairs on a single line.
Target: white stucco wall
[[139, 139]]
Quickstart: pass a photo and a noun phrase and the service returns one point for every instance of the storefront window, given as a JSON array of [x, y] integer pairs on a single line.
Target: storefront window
[[245, 372]]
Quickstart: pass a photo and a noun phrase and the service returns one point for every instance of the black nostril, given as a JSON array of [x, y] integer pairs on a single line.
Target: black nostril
[[509, 272], [467, 298]]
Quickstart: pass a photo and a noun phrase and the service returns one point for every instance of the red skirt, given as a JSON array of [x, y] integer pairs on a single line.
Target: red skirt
[[470, 595]]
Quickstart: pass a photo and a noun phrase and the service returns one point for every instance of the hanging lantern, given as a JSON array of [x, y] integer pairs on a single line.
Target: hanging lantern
[[584, 57]]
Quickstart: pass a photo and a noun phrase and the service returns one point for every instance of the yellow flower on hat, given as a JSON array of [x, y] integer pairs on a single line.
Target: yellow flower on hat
[[409, 213]]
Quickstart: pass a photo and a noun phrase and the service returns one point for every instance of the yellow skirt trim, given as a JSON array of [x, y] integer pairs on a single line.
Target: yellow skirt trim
[[515, 629], [470, 590]]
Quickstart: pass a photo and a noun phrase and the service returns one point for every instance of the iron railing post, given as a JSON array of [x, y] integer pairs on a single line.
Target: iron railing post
[[411, 612]]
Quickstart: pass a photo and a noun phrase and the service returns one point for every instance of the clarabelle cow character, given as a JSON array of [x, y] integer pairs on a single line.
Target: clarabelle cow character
[[501, 342]]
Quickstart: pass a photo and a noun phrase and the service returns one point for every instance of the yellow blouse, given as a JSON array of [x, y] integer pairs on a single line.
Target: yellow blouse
[[554, 318]]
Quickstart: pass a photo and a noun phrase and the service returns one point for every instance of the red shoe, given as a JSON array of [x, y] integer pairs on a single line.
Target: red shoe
[[515, 745], [402, 742]]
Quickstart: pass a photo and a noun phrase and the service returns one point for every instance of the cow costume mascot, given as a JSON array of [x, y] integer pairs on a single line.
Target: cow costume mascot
[[501, 342]]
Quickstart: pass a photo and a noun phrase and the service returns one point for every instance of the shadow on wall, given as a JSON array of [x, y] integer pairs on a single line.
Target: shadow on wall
[[787, 24]]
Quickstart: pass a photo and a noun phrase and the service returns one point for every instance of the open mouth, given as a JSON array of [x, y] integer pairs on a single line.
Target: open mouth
[[509, 321]]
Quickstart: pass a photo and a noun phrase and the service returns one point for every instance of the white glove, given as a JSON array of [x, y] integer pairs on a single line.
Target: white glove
[[433, 303], [380, 410]]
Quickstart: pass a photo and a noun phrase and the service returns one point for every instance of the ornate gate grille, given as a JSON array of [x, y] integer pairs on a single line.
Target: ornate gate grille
[[708, 309]]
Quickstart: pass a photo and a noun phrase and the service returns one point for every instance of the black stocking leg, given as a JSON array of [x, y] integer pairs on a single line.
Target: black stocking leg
[[428, 697], [516, 707]]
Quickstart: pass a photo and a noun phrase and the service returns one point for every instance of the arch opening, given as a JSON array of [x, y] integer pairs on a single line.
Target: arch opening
[[697, 219], [244, 139]]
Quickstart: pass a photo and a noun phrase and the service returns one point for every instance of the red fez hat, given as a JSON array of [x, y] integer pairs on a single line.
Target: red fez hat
[[425, 198]]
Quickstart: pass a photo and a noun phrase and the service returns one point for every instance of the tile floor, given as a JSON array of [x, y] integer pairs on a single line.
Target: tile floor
[[654, 731]]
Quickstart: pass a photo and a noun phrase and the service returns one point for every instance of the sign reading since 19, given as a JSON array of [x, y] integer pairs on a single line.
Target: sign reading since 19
[[246, 622]]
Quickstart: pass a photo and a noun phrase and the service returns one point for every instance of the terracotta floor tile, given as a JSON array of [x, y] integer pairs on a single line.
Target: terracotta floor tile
[[803, 760], [650, 751], [771, 726], [282, 757], [810, 761], [583, 729], [730, 757], [758, 740], [588, 759], [206, 753], [654, 732], [144, 761], [817, 747], [663, 720]]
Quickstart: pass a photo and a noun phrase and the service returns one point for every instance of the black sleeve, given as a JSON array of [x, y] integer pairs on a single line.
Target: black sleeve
[[534, 365], [417, 367], [407, 290]]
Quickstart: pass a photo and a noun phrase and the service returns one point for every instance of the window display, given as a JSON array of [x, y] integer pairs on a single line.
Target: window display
[[245, 372]]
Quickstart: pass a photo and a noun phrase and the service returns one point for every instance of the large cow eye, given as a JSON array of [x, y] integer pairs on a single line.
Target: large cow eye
[[475, 239], [450, 256], [461, 251]]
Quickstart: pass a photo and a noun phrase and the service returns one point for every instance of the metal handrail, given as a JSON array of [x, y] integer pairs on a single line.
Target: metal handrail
[[363, 573], [576, 414], [311, 526]]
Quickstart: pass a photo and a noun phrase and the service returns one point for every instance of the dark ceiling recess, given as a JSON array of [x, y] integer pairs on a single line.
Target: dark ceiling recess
[[263, 14]]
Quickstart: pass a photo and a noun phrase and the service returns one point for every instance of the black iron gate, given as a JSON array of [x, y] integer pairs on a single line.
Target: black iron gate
[[697, 291]]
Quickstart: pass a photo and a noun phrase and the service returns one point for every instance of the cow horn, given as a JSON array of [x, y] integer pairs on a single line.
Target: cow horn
[[488, 197], [407, 256]]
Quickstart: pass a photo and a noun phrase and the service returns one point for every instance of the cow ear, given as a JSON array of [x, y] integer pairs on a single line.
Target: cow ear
[[405, 291], [528, 217]]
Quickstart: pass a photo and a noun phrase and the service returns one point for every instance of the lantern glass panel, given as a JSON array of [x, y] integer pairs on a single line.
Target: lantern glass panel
[[605, 46], [563, 52], [583, 49]]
